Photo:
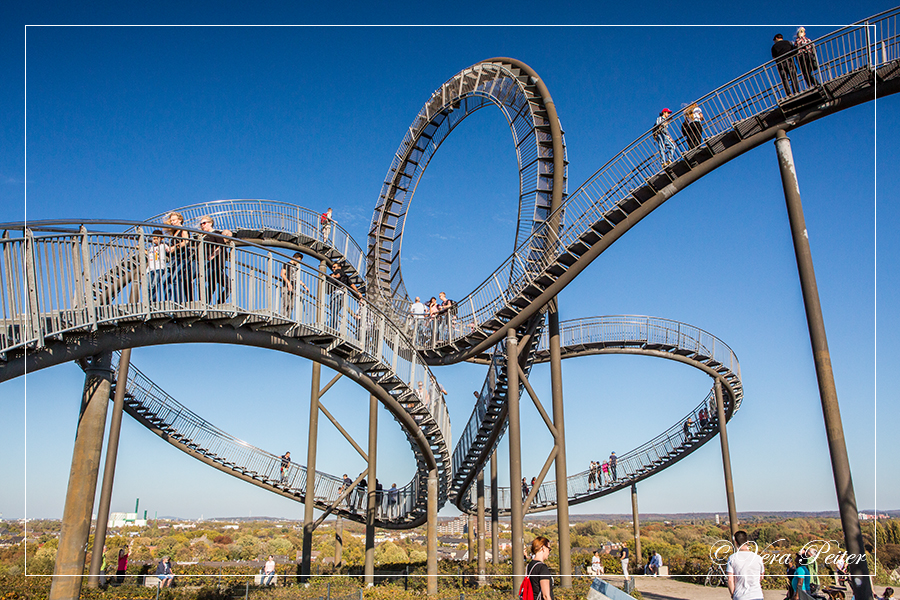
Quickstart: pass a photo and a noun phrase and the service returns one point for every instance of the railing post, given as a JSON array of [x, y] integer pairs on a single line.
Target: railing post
[[310, 492], [35, 326], [201, 275], [232, 275], [142, 274], [270, 285], [372, 499], [87, 285], [517, 524], [871, 52]]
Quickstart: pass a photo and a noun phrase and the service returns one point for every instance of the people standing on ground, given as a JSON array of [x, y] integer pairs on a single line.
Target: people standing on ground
[[290, 279], [182, 268], [157, 266], [813, 566], [216, 272], [624, 556], [164, 573], [745, 570], [800, 579], [269, 571], [663, 138], [888, 593], [783, 53], [537, 572], [121, 566], [285, 465], [325, 222], [806, 57], [612, 466]]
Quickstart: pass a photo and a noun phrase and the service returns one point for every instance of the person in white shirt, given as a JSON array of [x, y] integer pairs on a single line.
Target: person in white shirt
[[417, 310], [596, 565], [745, 571], [269, 571]]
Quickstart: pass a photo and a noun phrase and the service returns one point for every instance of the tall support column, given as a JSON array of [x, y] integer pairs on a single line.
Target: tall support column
[[310, 491], [339, 543], [371, 495], [495, 513], [637, 526], [834, 429], [76, 523], [479, 508], [470, 537], [109, 469], [515, 460], [431, 534], [562, 491], [726, 458]]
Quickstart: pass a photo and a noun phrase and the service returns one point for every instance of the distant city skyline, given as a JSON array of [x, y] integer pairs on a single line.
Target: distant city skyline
[[125, 123]]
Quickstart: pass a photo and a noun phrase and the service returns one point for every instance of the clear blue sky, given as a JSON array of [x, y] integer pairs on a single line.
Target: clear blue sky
[[126, 123]]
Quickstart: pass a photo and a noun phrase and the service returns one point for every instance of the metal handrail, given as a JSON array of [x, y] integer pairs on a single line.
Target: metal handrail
[[652, 456], [59, 281], [735, 105], [219, 446]]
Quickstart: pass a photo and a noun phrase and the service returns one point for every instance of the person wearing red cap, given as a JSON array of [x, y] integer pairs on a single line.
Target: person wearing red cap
[[661, 135]]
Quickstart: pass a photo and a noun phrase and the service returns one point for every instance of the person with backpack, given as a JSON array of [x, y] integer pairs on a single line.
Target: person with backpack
[[325, 222], [538, 583]]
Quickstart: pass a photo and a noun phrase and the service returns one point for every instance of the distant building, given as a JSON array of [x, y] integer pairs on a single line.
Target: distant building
[[117, 519]]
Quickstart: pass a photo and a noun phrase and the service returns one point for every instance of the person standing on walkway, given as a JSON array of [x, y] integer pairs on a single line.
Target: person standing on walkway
[[806, 57], [663, 138], [783, 53], [744, 570], [624, 557], [325, 222], [285, 465], [692, 128], [121, 566], [612, 466]]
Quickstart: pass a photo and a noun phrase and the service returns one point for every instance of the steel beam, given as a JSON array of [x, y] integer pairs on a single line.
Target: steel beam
[[470, 537], [515, 459], [371, 495], [831, 411], [310, 492], [431, 534], [495, 513], [109, 469], [339, 543], [562, 492], [726, 457], [76, 523], [636, 520], [479, 490]]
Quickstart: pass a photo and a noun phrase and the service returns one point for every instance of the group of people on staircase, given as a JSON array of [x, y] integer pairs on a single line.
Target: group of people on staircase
[[788, 56]]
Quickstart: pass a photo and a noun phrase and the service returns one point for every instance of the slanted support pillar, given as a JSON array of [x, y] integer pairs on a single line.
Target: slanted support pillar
[[470, 537], [371, 495], [109, 469], [76, 523], [479, 508], [726, 458], [431, 534], [338, 543], [562, 492], [831, 411], [637, 527], [495, 514], [515, 460], [310, 491]]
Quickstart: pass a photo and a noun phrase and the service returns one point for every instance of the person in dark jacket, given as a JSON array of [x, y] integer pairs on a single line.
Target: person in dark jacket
[[783, 53]]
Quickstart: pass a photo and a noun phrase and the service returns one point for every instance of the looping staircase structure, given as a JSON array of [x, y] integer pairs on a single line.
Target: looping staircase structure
[[643, 336], [75, 289], [72, 293]]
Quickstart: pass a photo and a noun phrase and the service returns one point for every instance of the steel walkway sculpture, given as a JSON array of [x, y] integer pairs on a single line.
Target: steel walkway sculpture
[[72, 290]]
